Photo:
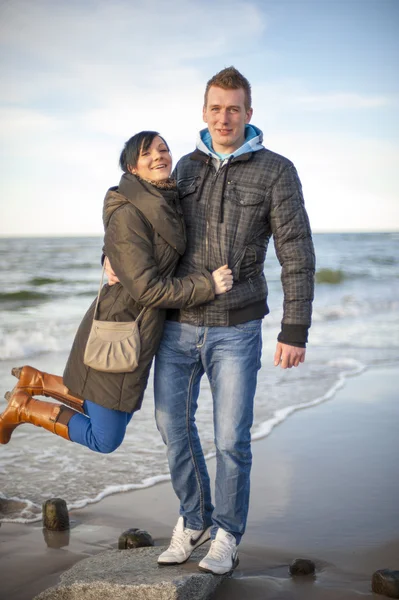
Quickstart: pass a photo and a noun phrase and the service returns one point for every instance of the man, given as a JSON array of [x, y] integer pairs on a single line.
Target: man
[[235, 194]]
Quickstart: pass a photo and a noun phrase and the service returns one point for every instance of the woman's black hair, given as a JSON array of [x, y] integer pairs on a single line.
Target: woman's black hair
[[134, 146]]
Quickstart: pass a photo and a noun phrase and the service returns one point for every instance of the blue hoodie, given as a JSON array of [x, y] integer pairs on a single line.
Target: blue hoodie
[[253, 143]]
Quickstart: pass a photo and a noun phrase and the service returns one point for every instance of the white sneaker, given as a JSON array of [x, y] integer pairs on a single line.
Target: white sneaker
[[222, 557], [184, 541]]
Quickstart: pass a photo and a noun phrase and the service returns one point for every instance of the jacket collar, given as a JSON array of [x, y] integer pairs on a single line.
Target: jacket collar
[[201, 156]]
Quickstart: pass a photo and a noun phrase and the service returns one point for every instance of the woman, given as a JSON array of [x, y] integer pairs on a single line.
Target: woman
[[144, 238]]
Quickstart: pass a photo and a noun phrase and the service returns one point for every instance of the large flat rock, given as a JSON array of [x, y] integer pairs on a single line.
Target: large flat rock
[[134, 575]]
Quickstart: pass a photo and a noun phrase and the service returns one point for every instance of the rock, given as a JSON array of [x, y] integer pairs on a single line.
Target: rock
[[134, 538], [55, 514], [302, 566], [386, 582], [134, 576]]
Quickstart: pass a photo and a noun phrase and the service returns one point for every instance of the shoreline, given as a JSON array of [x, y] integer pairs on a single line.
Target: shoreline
[[323, 487], [262, 431]]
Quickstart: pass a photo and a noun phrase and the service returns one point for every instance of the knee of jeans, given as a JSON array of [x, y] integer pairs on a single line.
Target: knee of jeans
[[160, 423], [105, 444], [173, 432], [241, 448], [165, 424]]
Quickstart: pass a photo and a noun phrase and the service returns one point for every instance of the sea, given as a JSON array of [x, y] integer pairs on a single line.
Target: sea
[[47, 286]]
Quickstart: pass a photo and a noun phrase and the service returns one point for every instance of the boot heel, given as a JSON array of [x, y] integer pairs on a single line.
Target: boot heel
[[16, 371]]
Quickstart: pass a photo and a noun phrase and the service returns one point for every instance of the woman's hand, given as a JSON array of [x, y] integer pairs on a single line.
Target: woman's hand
[[112, 278], [223, 279]]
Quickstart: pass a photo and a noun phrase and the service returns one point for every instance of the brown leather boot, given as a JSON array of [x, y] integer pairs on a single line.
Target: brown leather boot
[[22, 408], [37, 383]]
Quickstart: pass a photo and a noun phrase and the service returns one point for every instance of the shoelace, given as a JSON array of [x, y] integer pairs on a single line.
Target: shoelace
[[178, 537], [220, 548]]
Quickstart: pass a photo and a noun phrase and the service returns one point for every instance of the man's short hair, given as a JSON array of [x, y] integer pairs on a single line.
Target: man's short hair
[[230, 79]]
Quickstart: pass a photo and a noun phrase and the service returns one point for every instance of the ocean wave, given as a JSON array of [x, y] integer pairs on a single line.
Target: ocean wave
[[18, 510], [353, 307], [21, 344], [22, 510], [92, 293], [383, 260], [339, 276], [331, 276], [23, 296], [351, 368], [79, 266], [38, 281]]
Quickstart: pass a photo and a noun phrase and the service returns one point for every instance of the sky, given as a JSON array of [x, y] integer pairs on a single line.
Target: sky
[[80, 77]]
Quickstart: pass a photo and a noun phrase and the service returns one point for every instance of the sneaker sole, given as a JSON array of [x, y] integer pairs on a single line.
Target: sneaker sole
[[171, 564], [235, 564]]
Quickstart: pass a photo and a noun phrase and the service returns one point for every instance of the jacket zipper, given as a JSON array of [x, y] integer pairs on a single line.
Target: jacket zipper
[[215, 177], [207, 227]]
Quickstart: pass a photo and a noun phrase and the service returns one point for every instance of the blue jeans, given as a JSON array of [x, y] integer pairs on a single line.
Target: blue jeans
[[100, 429], [230, 357]]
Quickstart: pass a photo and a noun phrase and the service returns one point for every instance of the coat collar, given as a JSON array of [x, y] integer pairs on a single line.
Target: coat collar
[[201, 156], [149, 200]]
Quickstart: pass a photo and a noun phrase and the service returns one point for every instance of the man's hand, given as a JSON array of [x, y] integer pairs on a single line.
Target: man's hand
[[112, 278], [288, 356], [223, 280]]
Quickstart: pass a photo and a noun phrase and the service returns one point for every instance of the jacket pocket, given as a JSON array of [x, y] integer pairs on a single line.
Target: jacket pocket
[[245, 194], [245, 265], [187, 186]]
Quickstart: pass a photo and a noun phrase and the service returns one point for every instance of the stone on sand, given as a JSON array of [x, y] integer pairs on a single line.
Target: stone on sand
[[386, 582], [134, 575]]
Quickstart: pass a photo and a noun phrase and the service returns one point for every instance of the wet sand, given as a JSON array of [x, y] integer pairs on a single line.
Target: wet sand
[[324, 486]]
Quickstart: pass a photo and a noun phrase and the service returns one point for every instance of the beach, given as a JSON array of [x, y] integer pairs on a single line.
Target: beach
[[324, 487], [50, 282]]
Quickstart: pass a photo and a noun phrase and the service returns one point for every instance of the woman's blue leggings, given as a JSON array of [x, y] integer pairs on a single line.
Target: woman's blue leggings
[[100, 429]]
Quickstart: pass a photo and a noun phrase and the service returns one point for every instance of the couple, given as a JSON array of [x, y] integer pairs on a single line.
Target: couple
[[233, 194]]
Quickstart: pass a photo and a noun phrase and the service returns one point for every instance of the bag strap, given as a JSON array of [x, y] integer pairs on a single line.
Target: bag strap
[[139, 316], [99, 291]]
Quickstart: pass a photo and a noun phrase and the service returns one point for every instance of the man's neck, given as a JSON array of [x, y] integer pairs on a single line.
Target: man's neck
[[222, 150]]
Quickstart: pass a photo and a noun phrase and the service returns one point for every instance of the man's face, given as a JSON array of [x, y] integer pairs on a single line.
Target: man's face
[[226, 117]]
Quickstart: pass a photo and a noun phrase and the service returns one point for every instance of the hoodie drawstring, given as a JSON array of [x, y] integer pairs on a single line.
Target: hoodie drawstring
[[221, 218], [207, 163]]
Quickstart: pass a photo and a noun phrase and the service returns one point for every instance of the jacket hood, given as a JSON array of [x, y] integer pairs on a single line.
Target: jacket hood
[[149, 201], [253, 143], [113, 200]]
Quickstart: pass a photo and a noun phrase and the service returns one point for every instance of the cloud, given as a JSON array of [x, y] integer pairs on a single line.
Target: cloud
[[290, 94], [342, 101], [80, 77], [126, 31], [25, 120], [348, 183], [115, 69], [86, 50]]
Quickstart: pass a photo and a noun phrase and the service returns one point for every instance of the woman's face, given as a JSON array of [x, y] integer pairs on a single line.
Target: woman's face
[[155, 163]]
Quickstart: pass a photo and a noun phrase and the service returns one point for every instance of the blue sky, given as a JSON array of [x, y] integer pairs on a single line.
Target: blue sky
[[78, 78]]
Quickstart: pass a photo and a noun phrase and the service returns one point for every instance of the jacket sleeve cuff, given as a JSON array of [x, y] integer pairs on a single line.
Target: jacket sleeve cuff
[[209, 277], [293, 335]]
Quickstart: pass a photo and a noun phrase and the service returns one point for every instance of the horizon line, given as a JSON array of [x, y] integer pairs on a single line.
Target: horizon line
[[81, 235]]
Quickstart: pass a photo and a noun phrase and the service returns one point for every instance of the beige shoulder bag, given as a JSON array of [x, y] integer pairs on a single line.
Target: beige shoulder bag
[[113, 346]]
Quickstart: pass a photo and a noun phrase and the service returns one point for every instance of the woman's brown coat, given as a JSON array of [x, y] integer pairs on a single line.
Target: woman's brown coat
[[144, 238]]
